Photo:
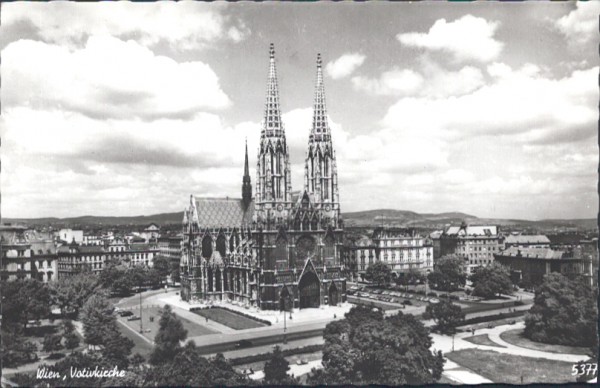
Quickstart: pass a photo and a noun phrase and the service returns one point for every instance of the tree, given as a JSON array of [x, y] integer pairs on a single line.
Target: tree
[[24, 300], [190, 368], [367, 348], [71, 338], [71, 293], [162, 265], [379, 273], [276, 369], [175, 275], [564, 312], [116, 348], [491, 281], [448, 273], [170, 333], [97, 318], [52, 343], [446, 315]]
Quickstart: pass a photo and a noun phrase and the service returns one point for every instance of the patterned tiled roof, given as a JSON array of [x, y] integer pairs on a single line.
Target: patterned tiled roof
[[223, 212]]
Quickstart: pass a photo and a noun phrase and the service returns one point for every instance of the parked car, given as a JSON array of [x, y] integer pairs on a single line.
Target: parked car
[[302, 362], [134, 318], [125, 313]]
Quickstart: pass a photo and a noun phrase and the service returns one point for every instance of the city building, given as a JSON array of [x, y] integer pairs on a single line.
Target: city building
[[170, 247], [141, 254], [70, 235], [151, 232], [529, 265], [276, 248], [27, 254], [532, 241], [73, 258], [477, 244], [402, 250]]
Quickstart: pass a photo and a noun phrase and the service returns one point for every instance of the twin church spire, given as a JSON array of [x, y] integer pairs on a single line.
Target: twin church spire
[[273, 185]]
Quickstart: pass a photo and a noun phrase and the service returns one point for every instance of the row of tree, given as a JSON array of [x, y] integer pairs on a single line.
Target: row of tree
[[449, 275]]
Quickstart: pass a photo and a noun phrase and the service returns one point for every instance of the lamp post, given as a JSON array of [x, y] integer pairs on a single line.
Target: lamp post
[[141, 329], [453, 341]]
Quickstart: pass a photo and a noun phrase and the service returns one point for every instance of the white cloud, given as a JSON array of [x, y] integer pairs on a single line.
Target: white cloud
[[184, 25], [392, 82], [431, 81], [344, 65], [581, 24], [517, 102], [107, 78], [468, 38]]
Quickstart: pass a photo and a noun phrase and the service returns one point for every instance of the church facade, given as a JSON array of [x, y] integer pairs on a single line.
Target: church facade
[[277, 249]]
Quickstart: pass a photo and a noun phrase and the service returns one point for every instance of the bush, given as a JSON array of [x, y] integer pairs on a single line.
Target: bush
[[420, 292], [434, 294], [453, 297], [267, 356], [407, 302], [55, 356]]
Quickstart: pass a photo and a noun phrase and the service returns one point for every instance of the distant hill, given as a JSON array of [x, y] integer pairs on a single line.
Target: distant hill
[[368, 218], [161, 219]]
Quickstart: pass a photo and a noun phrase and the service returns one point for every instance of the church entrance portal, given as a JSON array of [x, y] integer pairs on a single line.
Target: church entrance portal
[[333, 295], [310, 290]]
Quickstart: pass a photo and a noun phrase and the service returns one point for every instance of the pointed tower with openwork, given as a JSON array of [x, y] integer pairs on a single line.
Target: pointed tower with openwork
[[246, 183], [320, 169], [273, 183]]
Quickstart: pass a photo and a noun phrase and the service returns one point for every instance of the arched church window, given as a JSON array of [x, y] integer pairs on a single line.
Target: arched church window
[[329, 248], [281, 250], [207, 247], [232, 240], [222, 245]]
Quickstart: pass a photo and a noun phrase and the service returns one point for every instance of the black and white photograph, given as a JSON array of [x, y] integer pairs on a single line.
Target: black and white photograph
[[298, 193]]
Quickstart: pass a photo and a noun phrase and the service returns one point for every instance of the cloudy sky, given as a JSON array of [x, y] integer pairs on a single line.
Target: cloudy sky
[[127, 109]]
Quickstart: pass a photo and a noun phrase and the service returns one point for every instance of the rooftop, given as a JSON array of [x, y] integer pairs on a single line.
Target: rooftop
[[527, 239], [223, 212], [534, 253], [472, 230]]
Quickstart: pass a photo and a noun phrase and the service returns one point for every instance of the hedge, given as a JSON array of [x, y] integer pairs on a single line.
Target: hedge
[[495, 317], [263, 321], [267, 356]]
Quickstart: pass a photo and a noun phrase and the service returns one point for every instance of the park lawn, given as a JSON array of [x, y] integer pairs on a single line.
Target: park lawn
[[508, 369], [371, 302], [515, 337], [140, 345], [446, 381], [229, 319], [150, 328], [482, 339]]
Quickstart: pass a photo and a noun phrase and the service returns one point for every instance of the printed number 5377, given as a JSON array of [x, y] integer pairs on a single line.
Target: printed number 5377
[[584, 369]]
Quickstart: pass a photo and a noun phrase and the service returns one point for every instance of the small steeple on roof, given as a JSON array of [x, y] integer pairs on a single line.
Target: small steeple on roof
[[320, 126], [272, 125], [246, 168]]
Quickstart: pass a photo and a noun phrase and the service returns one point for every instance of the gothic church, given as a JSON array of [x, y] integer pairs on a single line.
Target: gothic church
[[279, 249]]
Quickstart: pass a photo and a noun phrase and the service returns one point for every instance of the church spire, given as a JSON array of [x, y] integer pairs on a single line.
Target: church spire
[[273, 197], [272, 125], [320, 170], [320, 126], [246, 184]]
